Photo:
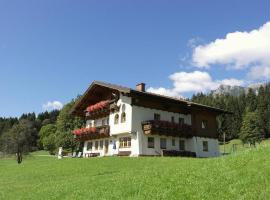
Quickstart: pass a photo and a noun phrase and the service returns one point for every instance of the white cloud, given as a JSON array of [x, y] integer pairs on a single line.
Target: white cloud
[[52, 105], [196, 81], [164, 91], [238, 50]]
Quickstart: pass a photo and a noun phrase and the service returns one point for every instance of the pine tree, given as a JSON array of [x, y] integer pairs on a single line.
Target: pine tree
[[250, 130]]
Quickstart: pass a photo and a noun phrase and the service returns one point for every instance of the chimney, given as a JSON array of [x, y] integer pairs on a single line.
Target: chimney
[[140, 87]]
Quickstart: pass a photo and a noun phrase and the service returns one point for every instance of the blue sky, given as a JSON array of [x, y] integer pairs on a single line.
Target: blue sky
[[52, 50]]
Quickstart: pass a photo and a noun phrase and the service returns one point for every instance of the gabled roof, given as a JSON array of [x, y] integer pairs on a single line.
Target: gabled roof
[[85, 99]]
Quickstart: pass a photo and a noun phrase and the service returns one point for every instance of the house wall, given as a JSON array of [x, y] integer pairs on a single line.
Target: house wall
[[122, 128], [213, 147], [139, 141], [140, 114], [211, 130]]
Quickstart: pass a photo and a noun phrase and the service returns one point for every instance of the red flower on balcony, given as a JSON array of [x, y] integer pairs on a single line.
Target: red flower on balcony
[[98, 106], [84, 131]]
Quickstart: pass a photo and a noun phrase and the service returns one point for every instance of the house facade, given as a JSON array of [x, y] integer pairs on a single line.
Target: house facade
[[133, 122]]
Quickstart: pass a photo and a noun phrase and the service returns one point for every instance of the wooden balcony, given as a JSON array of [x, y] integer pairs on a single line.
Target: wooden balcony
[[92, 133], [166, 128], [98, 113], [101, 109]]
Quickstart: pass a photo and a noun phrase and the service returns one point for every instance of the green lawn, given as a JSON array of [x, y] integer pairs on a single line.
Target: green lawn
[[242, 175]]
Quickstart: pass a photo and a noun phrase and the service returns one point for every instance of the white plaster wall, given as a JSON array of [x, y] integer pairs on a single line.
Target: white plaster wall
[[140, 114], [111, 150], [122, 127], [157, 150], [213, 147]]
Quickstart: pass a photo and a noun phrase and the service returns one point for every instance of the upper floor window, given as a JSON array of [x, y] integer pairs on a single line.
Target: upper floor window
[[151, 142], [205, 145], [204, 124], [163, 143], [103, 122], [116, 119], [123, 117], [123, 108], [181, 120], [156, 117], [172, 119], [182, 145], [108, 121], [125, 142]]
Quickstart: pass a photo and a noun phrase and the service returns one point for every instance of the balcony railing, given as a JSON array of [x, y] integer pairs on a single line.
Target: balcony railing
[[101, 109], [157, 127], [92, 133]]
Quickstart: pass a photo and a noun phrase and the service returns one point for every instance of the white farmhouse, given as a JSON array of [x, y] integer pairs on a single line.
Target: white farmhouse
[[133, 122]]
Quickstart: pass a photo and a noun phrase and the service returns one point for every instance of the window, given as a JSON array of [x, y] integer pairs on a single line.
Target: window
[[173, 142], [101, 144], [172, 119], [89, 146], [125, 142], [151, 142], [116, 119], [108, 121], [163, 143], [123, 108], [204, 124], [205, 146], [103, 122], [156, 117], [182, 145], [96, 145], [95, 123], [181, 120], [123, 117]]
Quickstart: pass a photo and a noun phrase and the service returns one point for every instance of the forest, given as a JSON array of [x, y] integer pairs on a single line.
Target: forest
[[250, 120]]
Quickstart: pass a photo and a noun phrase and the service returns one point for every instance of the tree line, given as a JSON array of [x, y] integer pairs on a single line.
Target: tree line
[[31, 132], [250, 120]]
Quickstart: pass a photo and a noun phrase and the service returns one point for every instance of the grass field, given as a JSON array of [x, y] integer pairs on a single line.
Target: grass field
[[241, 175]]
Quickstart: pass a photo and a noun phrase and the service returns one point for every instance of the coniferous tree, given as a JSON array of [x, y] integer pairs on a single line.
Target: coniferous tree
[[251, 132]]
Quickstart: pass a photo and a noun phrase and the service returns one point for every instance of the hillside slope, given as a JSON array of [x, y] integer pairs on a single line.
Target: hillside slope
[[243, 175]]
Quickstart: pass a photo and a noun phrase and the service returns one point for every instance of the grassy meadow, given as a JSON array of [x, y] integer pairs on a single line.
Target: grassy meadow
[[241, 175]]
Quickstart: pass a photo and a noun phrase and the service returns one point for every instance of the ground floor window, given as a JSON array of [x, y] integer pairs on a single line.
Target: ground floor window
[[101, 144], [125, 142], [173, 142], [205, 145], [96, 145], [151, 142], [89, 146], [163, 143], [182, 145]]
